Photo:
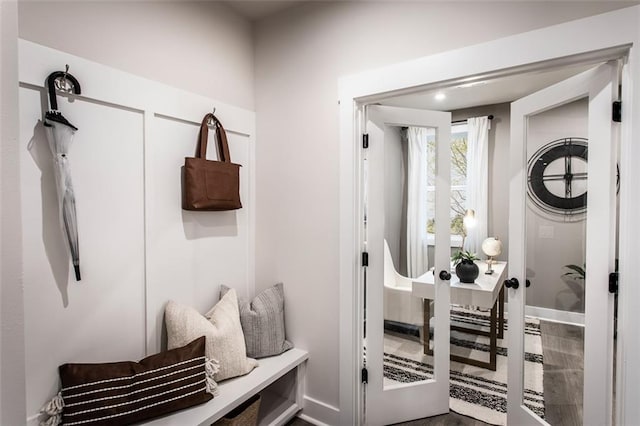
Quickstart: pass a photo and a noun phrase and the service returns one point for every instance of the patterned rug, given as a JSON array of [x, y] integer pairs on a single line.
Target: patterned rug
[[474, 391]]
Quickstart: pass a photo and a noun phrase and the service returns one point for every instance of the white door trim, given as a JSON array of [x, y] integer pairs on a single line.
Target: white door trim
[[531, 50]]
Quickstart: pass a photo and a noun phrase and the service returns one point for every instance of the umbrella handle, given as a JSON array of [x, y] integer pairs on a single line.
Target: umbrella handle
[[52, 87]]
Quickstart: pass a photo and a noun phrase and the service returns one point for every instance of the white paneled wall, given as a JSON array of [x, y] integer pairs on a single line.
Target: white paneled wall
[[138, 248], [189, 254], [65, 320]]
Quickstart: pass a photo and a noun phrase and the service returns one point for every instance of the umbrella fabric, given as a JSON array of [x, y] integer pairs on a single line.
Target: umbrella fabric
[[59, 135]]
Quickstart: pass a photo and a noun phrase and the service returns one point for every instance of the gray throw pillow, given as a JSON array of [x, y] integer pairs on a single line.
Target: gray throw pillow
[[262, 322]]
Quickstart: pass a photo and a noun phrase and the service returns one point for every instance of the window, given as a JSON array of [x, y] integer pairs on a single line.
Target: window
[[458, 182]]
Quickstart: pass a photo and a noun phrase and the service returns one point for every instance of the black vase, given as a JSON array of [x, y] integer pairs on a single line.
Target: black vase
[[467, 271]]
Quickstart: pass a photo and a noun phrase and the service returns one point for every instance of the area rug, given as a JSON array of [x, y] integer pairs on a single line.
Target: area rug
[[474, 391]]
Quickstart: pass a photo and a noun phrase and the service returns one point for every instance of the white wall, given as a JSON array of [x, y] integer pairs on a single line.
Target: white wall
[[201, 47], [12, 369], [300, 54]]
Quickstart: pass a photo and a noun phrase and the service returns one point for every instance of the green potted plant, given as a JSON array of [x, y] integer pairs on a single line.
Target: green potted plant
[[576, 272], [466, 270]]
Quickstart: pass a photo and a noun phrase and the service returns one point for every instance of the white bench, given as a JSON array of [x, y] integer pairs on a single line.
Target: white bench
[[278, 379]]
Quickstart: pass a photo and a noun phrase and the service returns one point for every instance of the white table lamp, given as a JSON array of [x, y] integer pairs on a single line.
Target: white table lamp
[[492, 247]]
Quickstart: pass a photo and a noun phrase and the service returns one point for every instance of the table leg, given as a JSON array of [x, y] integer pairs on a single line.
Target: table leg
[[501, 314], [493, 338], [426, 332], [495, 322], [492, 334]]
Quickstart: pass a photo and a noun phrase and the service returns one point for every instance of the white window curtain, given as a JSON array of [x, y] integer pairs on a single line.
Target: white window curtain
[[417, 262], [477, 180]]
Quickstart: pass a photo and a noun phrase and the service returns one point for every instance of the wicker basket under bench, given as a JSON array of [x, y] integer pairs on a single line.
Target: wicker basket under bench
[[278, 379]]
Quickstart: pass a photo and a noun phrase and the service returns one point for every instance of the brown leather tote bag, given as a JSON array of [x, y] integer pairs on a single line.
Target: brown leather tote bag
[[211, 185]]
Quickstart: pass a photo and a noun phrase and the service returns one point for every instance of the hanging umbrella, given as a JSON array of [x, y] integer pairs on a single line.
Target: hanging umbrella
[[60, 133]]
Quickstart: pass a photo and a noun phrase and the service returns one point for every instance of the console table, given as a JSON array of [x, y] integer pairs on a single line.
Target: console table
[[486, 292]]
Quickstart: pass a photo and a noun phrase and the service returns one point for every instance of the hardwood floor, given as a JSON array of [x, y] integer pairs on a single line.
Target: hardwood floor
[[450, 419], [298, 422], [563, 352]]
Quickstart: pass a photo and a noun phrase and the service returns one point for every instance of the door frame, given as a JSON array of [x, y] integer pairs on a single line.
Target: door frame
[[395, 403], [528, 52], [599, 86]]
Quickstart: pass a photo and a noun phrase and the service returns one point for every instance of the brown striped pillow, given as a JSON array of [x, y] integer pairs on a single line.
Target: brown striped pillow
[[123, 393]]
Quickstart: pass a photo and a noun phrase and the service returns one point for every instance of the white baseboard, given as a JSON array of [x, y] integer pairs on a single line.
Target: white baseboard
[[566, 317], [318, 413], [554, 315]]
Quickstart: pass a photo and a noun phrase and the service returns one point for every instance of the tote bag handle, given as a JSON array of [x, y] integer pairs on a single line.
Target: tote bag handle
[[221, 136]]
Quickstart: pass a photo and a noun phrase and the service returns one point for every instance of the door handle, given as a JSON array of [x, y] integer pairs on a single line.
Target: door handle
[[445, 275], [528, 283], [512, 283]]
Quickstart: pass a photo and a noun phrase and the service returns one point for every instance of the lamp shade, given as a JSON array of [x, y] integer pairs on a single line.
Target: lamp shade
[[492, 246], [469, 219]]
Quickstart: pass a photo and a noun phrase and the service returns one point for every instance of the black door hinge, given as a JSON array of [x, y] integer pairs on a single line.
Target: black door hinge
[[365, 375], [613, 283], [365, 258], [617, 111], [365, 140]]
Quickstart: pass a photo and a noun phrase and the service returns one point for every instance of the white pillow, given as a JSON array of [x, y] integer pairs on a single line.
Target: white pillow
[[223, 332]]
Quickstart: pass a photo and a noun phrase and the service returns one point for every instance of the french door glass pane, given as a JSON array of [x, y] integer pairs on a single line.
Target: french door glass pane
[[408, 320], [555, 262]]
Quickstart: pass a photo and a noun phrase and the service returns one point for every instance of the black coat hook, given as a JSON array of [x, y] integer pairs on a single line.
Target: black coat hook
[[51, 85]]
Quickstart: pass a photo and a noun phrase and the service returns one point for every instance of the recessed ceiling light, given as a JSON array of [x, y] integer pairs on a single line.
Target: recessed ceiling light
[[440, 96]]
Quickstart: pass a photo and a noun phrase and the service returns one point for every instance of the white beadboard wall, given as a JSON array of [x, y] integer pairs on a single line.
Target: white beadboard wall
[[138, 248]]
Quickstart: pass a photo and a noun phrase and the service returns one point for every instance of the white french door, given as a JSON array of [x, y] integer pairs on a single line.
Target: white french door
[[389, 399], [549, 188]]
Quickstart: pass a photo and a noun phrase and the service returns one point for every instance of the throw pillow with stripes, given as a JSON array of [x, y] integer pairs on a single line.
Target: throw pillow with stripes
[[262, 322], [123, 393]]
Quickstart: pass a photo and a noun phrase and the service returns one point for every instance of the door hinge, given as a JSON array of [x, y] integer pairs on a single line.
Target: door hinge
[[613, 283], [365, 258], [365, 375], [365, 140], [617, 111]]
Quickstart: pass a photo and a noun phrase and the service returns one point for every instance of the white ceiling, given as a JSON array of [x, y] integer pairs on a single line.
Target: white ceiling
[[488, 92], [257, 9]]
